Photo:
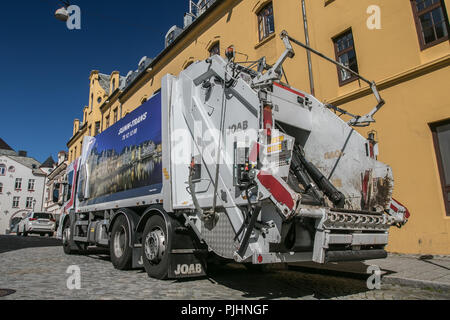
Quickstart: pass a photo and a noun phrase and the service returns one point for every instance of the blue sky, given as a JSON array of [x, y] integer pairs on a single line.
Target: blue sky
[[45, 67]]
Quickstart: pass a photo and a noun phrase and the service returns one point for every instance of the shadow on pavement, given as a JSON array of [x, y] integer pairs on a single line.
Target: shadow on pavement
[[12, 243], [276, 284]]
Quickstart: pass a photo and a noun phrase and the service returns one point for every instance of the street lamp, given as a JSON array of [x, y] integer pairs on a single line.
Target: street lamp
[[61, 14]]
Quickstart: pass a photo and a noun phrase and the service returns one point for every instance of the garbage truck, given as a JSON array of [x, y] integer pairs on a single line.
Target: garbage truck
[[228, 162]]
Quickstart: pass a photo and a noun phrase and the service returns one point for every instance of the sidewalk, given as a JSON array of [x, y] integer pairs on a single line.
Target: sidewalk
[[408, 270]]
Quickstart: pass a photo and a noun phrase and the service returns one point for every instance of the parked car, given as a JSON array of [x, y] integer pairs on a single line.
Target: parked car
[[37, 223]]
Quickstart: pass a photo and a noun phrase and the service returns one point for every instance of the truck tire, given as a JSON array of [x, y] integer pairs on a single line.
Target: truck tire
[[120, 251], [155, 248], [66, 238]]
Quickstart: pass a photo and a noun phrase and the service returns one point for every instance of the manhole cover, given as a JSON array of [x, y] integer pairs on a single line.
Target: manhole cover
[[6, 292]]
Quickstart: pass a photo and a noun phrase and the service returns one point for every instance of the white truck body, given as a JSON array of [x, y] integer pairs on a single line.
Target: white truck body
[[256, 171]]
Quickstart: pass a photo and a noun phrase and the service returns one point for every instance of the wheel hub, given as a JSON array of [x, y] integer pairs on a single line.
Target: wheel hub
[[120, 242], [155, 245], [66, 236]]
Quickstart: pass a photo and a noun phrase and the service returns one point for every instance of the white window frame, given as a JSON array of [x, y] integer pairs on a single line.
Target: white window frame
[[31, 184], [29, 204], [18, 184], [16, 200]]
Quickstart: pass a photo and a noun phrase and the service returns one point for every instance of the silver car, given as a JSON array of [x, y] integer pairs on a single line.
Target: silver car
[[37, 223]]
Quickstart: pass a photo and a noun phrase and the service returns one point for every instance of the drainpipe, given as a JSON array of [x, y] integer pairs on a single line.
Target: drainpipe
[[308, 54]]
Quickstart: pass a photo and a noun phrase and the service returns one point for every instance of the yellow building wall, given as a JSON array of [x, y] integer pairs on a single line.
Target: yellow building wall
[[391, 56], [406, 144]]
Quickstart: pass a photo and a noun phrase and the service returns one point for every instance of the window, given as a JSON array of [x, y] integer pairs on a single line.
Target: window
[[441, 137], [2, 169], [11, 169], [1, 187], [99, 99], [29, 202], [97, 128], [18, 185], [42, 215], [345, 54], [15, 203], [115, 115], [31, 183], [92, 101], [75, 152], [431, 21], [107, 122], [69, 185], [215, 49], [113, 85], [266, 23]]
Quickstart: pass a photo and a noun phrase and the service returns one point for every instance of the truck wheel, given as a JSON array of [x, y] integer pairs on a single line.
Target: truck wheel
[[66, 237], [155, 248], [120, 251], [24, 232], [18, 232]]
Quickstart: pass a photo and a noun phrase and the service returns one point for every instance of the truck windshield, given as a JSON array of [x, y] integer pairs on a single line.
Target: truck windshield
[[69, 185]]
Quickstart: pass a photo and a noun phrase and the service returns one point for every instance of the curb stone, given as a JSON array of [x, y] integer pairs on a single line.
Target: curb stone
[[422, 284]]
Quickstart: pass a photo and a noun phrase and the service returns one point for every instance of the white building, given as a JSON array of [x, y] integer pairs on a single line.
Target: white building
[[22, 182]]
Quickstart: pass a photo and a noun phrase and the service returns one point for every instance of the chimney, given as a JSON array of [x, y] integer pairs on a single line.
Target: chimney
[[22, 153]]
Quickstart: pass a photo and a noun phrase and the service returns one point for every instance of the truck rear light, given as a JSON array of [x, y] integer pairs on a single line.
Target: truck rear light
[[32, 219], [395, 208]]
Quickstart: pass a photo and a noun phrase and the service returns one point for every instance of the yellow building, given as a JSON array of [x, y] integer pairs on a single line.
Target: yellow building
[[403, 45]]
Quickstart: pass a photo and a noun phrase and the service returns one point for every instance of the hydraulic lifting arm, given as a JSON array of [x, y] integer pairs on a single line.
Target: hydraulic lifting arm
[[275, 73]]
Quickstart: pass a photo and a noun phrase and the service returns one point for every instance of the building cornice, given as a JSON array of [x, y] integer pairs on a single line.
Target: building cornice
[[396, 79], [57, 170], [80, 132], [111, 99]]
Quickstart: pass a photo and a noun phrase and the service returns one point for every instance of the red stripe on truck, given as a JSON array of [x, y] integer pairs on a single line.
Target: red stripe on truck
[[289, 89], [276, 189]]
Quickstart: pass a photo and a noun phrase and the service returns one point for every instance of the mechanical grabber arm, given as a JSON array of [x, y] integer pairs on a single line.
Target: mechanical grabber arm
[[275, 73]]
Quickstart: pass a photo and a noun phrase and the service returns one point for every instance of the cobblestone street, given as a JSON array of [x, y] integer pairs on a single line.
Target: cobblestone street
[[40, 273]]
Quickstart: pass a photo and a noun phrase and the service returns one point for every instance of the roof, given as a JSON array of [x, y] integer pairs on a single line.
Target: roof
[[49, 163], [4, 152], [104, 81], [30, 163], [4, 145]]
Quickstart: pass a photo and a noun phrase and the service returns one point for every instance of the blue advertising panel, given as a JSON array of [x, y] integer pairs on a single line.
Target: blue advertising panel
[[125, 160]]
